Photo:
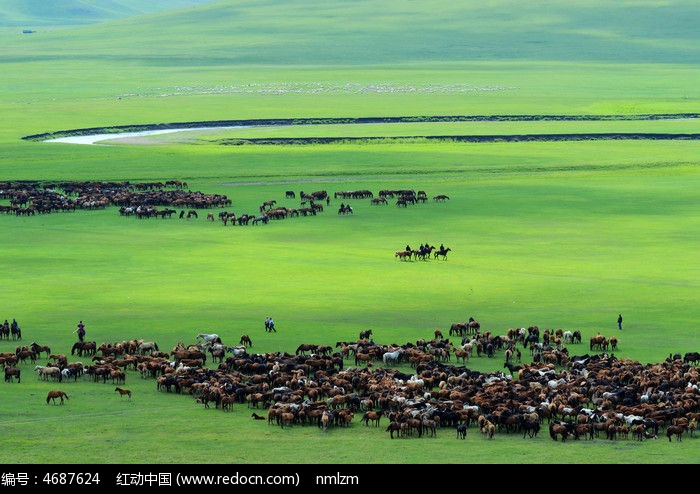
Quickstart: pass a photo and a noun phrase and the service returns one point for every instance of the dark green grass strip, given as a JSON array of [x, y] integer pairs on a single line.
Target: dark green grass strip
[[360, 120], [458, 138]]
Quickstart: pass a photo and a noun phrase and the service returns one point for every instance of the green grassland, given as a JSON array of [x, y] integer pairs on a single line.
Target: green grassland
[[558, 234]]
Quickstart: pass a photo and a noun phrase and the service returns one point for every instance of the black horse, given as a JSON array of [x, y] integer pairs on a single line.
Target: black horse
[[514, 369], [364, 335], [530, 427]]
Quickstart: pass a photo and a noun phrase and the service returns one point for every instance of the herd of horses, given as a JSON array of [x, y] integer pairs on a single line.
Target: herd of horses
[[29, 198], [579, 397], [164, 199], [424, 252]]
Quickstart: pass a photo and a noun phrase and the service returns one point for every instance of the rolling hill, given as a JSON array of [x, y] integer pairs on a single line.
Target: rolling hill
[[379, 32], [34, 13]]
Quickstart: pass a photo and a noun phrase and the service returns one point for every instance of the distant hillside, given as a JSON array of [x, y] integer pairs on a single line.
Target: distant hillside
[[342, 32], [35, 13]]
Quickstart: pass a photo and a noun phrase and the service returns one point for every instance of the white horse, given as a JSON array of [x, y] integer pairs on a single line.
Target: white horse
[[45, 372], [392, 357], [209, 337], [237, 350]]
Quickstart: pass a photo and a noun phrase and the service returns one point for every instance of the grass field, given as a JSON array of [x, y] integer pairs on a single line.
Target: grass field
[[558, 234]]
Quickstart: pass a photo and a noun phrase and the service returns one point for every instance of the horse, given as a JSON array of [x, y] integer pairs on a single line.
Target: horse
[[255, 415], [267, 205], [148, 347], [514, 369], [84, 347], [245, 341], [404, 255], [303, 348], [461, 431], [392, 357], [558, 429], [208, 337], [53, 394], [394, 426], [11, 372], [123, 392], [16, 332], [365, 334], [441, 253], [23, 355], [39, 349], [675, 430], [325, 420], [373, 416], [46, 372], [237, 351], [345, 209]]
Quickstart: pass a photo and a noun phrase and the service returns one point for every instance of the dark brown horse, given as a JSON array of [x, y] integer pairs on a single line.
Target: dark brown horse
[[441, 253], [245, 341], [53, 394], [123, 392], [11, 372], [39, 349]]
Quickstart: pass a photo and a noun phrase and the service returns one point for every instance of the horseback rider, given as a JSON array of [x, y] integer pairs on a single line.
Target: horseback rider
[[14, 326], [80, 331]]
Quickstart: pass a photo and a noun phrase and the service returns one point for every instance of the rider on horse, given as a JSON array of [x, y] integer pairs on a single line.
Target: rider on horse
[[80, 331]]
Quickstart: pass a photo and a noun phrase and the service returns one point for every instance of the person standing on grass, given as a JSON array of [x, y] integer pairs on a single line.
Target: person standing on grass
[[267, 324], [272, 326], [619, 322]]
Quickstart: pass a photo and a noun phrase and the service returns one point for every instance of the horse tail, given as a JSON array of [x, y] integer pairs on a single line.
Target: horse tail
[[48, 398], [156, 346]]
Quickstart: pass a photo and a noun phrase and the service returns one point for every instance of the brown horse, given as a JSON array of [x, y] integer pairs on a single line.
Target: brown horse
[[123, 392], [11, 372], [441, 253], [305, 347], [375, 417], [675, 430], [404, 255], [245, 341], [39, 349], [53, 394]]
